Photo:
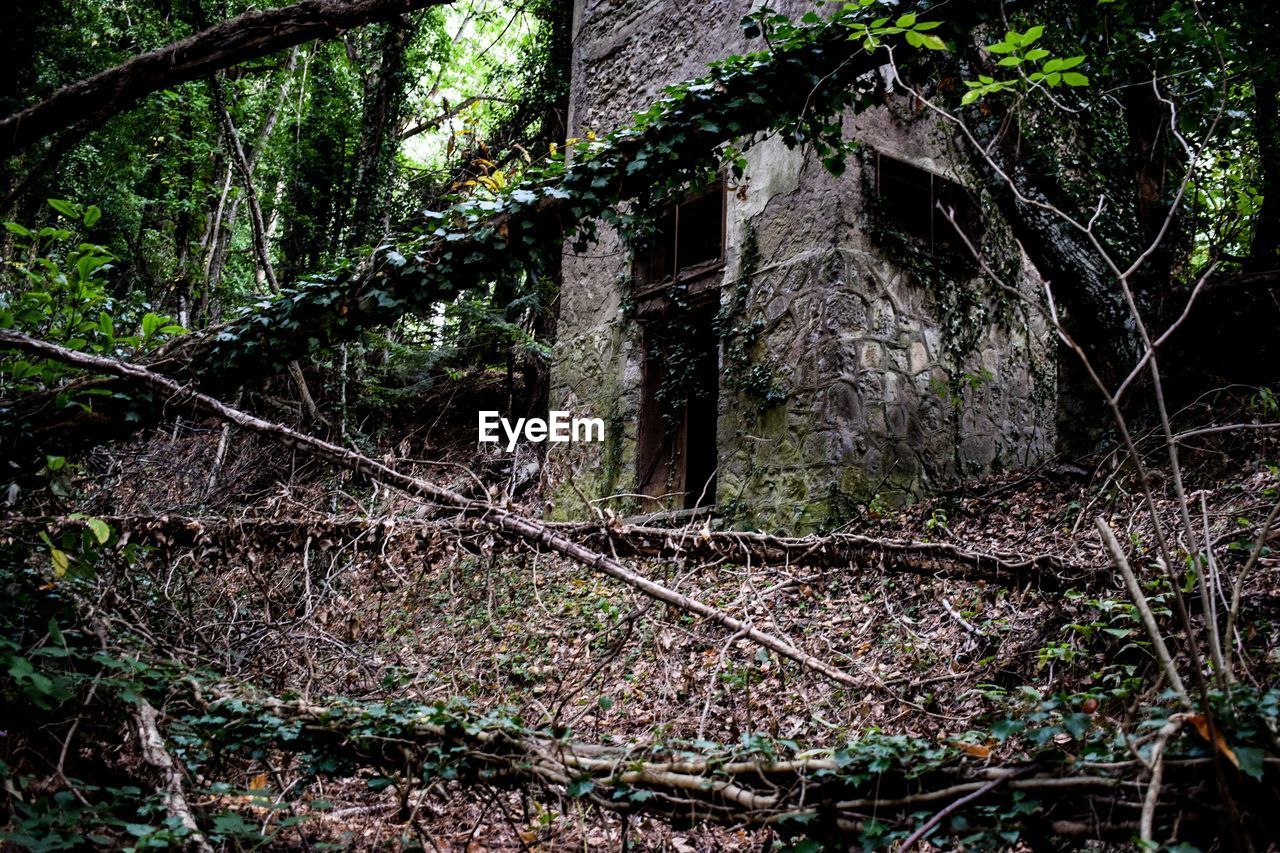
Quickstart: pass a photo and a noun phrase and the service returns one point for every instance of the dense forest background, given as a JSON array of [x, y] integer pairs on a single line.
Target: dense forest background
[[262, 263]]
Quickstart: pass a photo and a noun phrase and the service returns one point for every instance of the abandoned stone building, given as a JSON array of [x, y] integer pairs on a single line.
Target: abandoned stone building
[[834, 340]]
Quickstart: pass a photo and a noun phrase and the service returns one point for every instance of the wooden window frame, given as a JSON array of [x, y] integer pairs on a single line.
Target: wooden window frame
[[949, 241], [646, 286]]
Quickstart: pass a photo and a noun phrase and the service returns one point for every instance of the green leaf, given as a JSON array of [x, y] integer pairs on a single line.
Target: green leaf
[[1036, 54], [1001, 47], [1250, 761], [1075, 78], [933, 42], [1010, 60], [906, 20], [55, 463], [606, 702], [60, 562], [1002, 729], [1031, 35], [15, 228], [20, 668], [970, 96], [580, 787], [91, 216], [66, 208], [1077, 724], [101, 530]]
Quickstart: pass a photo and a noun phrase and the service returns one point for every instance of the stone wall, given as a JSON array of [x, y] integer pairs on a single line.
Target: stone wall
[[895, 378]]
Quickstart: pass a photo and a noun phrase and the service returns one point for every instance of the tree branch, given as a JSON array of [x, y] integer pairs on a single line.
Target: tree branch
[[497, 518], [90, 102]]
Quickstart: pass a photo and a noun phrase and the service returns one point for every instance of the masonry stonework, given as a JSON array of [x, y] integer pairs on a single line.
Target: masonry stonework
[[894, 377]]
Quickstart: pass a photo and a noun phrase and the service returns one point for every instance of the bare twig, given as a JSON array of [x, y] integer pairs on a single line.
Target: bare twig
[[493, 516], [1144, 608]]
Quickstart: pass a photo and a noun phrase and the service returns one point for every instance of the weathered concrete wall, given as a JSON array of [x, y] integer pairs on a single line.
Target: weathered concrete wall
[[896, 380]]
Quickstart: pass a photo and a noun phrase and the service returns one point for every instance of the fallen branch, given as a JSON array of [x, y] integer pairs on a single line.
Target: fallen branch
[[495, 517], [839, 549], [832, 551], [830, 795], [951, 809], [171, 784], [1144, 609]]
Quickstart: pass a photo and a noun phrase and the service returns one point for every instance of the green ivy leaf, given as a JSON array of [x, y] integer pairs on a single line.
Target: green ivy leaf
[[580, 787]]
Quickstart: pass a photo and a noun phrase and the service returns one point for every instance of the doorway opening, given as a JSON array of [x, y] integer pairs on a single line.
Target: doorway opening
[[676, 456]]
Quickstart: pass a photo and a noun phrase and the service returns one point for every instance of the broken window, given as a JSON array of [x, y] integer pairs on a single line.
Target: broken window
[[676, 456], [689, 240], [917, 202]]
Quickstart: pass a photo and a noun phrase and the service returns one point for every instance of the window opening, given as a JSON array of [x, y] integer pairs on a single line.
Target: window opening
[[689, 239], [914, 200]]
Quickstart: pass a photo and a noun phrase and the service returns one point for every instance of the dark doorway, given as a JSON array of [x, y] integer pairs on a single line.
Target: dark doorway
[[676, 456]]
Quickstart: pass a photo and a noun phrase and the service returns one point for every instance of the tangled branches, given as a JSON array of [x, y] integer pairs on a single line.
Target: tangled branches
[[872, 785]]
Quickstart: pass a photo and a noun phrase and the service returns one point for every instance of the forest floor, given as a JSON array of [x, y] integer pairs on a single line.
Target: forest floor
[[337, 587]]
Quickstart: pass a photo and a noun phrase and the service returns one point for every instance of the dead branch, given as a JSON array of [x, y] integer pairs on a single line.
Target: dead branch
[[171, 784], [495, 517], [813, 793], [839, 549], [1144, 608], [836, 551]]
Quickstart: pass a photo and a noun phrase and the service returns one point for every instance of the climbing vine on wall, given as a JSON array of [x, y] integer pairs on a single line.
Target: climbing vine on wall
[[742, 370]]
